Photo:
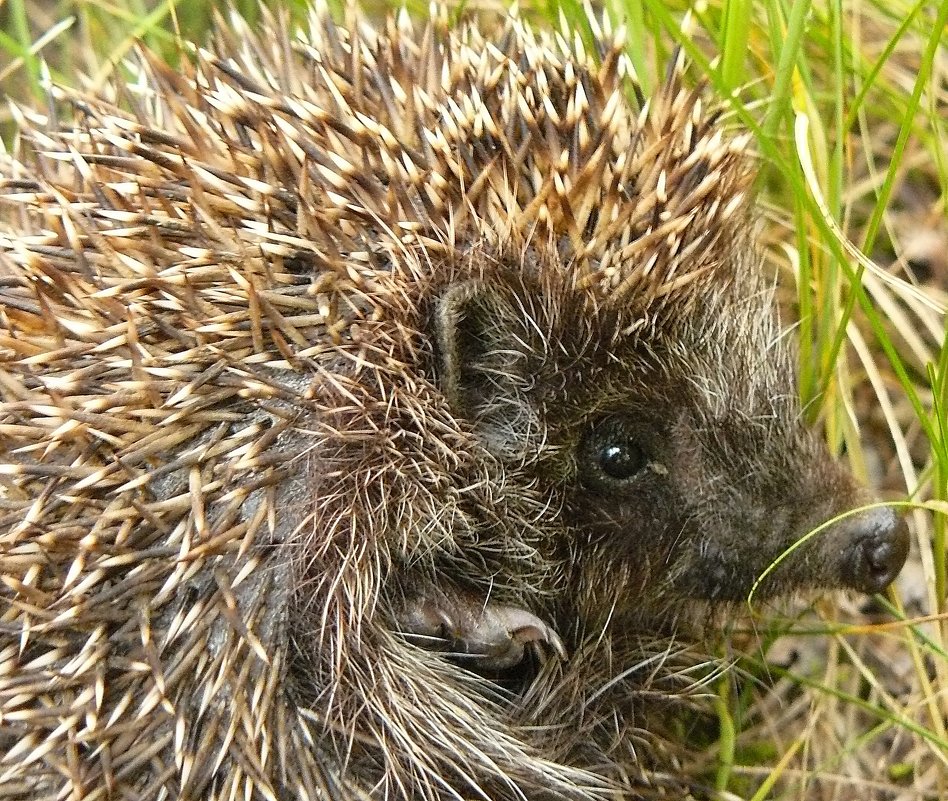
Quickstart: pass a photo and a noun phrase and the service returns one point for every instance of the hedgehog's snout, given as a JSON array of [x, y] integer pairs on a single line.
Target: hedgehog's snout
[[876, 546]]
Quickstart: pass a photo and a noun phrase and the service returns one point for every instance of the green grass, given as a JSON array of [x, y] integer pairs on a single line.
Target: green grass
[[851, 126]]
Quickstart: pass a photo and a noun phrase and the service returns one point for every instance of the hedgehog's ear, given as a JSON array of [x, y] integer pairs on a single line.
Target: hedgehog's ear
[[483, 345]]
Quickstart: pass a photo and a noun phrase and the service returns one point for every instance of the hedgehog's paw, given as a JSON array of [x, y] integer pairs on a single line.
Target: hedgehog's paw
[[487, 637]]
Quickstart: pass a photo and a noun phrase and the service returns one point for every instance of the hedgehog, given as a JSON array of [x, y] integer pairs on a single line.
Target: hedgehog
[[379, 408]]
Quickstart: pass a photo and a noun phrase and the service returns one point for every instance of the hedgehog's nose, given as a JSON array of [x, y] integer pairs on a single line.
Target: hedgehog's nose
[[879, 544]]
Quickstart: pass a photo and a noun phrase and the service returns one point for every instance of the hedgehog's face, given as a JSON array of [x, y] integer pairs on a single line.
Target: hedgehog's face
[[702, 506], [681, 471]]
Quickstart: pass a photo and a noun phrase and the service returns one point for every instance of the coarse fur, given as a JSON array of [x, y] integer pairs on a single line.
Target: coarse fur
[[307, 352]]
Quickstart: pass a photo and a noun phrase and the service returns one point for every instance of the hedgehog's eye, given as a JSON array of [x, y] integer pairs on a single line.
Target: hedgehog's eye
[[610, 455], [620, 460]]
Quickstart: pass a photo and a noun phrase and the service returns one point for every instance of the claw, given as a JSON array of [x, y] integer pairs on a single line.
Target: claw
[[494, 636]]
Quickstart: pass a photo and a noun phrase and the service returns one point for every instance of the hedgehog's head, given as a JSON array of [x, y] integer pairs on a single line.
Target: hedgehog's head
[[617, 347], [670, 440]]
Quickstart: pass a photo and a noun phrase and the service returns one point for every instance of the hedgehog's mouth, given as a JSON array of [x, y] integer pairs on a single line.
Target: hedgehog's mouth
[[720, 578], [864, 551]]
